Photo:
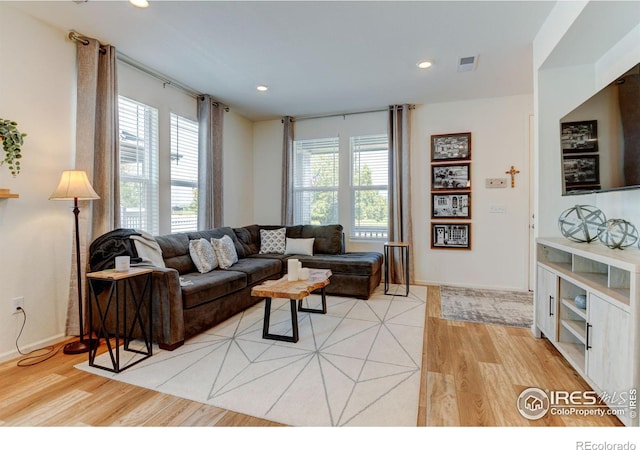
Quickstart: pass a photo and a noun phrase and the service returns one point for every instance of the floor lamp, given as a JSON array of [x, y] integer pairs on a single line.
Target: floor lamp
[[74, 185]]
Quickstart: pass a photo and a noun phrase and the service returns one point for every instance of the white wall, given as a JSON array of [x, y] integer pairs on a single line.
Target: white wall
[[499, 241], [267, 171], [238, 183], [37, 88], [560, 88]]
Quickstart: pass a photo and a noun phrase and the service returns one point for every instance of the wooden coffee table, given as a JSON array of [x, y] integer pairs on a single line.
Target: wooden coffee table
[[293, 290]]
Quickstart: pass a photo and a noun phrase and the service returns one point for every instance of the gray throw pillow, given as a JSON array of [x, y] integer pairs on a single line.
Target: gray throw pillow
[[225, 251]]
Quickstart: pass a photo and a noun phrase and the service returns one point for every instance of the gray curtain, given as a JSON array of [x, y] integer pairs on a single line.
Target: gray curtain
[[287, 171], [210, 119], [400, 226], [97, 148]]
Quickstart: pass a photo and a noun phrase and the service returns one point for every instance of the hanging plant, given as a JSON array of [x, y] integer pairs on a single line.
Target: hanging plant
[[12, 141]]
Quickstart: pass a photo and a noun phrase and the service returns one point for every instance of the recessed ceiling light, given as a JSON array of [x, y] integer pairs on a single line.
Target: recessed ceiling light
[[262, 88], [424, 64], [139, 3]]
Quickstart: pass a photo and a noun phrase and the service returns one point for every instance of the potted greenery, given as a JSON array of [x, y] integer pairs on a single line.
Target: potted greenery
[[12, 140]]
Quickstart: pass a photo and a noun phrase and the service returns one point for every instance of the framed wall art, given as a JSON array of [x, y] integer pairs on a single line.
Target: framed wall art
[[582, 170], [451, 206], [451, 235], [450, 176], [579, 137], [450, 147]]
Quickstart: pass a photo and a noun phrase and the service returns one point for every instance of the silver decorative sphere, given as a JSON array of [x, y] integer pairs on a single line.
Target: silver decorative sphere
[[618, 233], [581, 223]]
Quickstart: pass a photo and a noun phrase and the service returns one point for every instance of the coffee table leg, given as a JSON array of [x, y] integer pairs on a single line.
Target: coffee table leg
[[280, 337], [323, 310]]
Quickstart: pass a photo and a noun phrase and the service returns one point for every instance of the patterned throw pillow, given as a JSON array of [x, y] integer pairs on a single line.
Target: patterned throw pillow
[[273, 241], [202, 254], [225, 251]]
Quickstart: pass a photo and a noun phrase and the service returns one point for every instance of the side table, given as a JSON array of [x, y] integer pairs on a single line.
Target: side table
[[121, 292], [388, 250]]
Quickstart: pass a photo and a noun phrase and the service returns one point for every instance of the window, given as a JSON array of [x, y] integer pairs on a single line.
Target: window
[[370, 187], [138, 166], [184, 174], [316, 181]]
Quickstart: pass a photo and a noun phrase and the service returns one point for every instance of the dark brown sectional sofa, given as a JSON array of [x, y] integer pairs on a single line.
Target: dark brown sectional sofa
[[202, 300]]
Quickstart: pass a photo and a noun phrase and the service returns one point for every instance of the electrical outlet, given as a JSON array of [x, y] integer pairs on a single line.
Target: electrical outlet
[[16, 303], [496, 182]]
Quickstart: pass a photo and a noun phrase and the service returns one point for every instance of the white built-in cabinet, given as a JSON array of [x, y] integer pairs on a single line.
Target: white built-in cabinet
[[601, 341]]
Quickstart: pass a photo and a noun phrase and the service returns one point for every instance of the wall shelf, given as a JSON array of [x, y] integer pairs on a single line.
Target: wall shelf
[[6, 193]]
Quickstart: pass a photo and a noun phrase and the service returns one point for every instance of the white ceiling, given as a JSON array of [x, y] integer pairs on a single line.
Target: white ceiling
[[318, 57]]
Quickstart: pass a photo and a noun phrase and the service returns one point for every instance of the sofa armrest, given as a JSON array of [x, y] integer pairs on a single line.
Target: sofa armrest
[[168, 318]]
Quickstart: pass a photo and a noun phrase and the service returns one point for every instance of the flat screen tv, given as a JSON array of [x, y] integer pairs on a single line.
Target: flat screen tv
[[600, 139]]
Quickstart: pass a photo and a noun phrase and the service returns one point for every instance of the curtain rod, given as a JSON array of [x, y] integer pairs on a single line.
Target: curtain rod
[[75, 36], [345, 114]]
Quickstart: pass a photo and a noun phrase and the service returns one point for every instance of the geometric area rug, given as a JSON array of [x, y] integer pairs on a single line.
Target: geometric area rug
[[510, 308], [358, 365]]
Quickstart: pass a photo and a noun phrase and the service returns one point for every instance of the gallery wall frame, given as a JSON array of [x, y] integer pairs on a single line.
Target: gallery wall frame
[[449, 235], [579, 137], [450, 147], [450, 176], [455, 205], [581, 170]]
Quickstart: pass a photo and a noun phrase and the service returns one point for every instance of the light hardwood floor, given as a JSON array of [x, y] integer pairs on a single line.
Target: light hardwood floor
[[472, 375]]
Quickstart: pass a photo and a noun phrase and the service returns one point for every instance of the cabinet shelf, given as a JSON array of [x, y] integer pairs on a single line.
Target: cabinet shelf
[[574, 353], [569, 303], [6, 193], [576, 328]]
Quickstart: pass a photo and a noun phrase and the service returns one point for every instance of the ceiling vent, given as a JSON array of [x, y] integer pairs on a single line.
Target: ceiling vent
[[467, 63]]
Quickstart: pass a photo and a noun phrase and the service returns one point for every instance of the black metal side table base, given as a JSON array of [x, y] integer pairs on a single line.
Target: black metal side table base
[[121, 289], [294, 318], [404, 250]]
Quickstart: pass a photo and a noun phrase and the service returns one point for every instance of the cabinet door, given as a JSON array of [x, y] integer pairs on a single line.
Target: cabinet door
[[608, 355], [546, 303]]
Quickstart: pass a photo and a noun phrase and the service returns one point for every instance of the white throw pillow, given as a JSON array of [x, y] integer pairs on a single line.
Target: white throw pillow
[[273, 241], [299, 246], [202, 254], [225, 251]]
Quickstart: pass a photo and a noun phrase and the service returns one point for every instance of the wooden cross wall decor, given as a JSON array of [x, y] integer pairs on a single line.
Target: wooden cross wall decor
[[513, 173]]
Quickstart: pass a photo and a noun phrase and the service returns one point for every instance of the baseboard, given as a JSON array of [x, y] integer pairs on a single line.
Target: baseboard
[[8, 356]]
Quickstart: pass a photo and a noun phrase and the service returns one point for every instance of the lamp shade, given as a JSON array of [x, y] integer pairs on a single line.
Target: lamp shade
[[74, 184]]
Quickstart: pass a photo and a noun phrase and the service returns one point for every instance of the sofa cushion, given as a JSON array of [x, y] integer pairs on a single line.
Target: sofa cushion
[[175, 252], [273, 241], [225, 251], [258, 269], [249, 239], [203, 255], [205, 287], [356, 263], [328, 238]]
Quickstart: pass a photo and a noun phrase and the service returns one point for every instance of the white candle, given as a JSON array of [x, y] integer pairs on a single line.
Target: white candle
[[122, 263], [293, 267]]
